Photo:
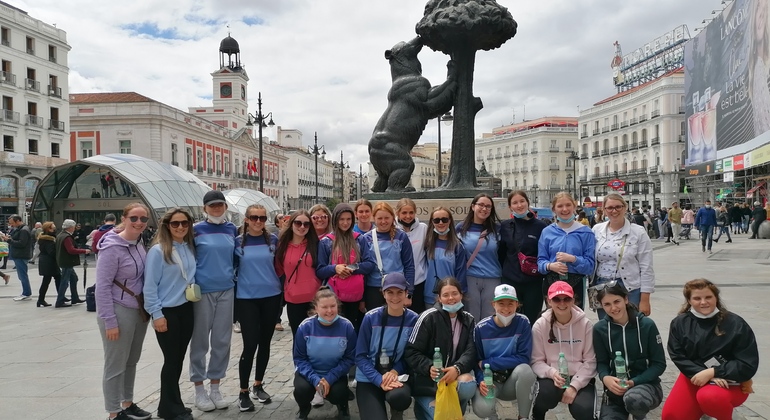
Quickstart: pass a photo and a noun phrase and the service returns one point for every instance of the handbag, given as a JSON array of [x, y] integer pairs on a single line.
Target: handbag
[[349, 289], [528, 265], [476, 251], [139, 299], [447, 402], [193, 291], [3, 249]]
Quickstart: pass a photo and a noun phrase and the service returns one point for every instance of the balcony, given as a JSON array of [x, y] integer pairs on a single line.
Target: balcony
[[515, 170], [200, 169], [489, 157], [595, 154], [655, 140], [634, 146], [498, 155], [681, 109], [479, 158], [34, 120], [624, 148], [556, 187], [175, 163], [524, 169], [219, 173], [52, 58], [507, 172], [643, 143], [9, 116], [643, 118], [6, 42], [655, 113], [623, 124], [227, 173], [613, 150], [515, 153], [54, 91], [534, 151], [8, 78], [583, 178], [584, 156], [534, 169], [32, 84], [507, 155], [681, 138], [56, 125], [30, 51], [584, 135], [605, 152], [524, 152], [634, 121], [605, 129], [554, 149], [615, 126], [553, 167], [596, 131], [569, 149], [210, 171]]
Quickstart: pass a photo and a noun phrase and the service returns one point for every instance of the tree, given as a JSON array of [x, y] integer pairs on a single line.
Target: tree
[[460, 28]]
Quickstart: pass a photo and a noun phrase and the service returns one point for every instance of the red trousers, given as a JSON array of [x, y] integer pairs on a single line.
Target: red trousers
[[689, 402]]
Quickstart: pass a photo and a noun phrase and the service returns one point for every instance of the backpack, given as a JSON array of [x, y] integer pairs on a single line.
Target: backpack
[[91, 298], [350, 289]]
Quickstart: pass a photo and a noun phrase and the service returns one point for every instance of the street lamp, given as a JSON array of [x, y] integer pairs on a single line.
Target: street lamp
[[315, 150], [360, 181], [534, 199], [574, 158], [447, 118], [259, 119], [342, 166]]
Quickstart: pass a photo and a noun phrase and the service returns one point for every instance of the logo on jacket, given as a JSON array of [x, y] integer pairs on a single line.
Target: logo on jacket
[[658, 339], [343, 343]]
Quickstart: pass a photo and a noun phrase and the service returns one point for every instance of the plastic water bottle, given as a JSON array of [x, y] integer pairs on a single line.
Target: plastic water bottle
[[564, 370], [489, 381], [438, 362], [620, 369]]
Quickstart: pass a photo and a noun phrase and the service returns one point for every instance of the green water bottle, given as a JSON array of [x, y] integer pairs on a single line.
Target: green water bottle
[[438, 362], [620, 369], [489, 381], [564, 370]]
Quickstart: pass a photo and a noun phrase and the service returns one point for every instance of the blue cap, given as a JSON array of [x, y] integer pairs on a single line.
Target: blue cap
[[396, 280]]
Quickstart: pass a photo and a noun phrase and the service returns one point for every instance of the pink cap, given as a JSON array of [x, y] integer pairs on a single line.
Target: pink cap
[[560, 288]]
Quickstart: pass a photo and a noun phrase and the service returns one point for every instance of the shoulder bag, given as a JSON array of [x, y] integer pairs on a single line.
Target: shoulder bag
[[476, 251], [527, 264], [192, 292], [139, 299]]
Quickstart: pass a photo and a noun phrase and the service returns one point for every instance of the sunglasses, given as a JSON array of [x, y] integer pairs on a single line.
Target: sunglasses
[[262, 219], [176, 223], [301, 224], [320, 217], [438, 220], [607, 285], [134, 219], [565, 299]]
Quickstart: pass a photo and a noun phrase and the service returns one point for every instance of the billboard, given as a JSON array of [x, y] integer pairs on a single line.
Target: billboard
[[727, 85]]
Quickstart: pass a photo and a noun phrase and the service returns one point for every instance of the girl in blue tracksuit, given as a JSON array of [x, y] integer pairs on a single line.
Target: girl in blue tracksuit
[[445, 254], [257, 301], [380, 353], [566, 248], [324, 351], [395, 251], [481, 226]]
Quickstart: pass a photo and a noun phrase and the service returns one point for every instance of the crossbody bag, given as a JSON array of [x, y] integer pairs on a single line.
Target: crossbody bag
[[476, 251], [192, 292], [139, 299]]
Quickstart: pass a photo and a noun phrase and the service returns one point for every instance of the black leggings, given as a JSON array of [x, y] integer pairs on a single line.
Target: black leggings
[[304, 392], [548, 396], [418, 298], [530, 295], [371, 400], [373, 297], [173, 343], [257, 318], [296, 312], [44, 286], [353, 314]]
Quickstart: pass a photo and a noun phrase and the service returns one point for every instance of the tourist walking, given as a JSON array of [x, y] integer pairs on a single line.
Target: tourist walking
[[445, 255], [20, 251], [35, 232], [723, 224], [47, 266], [675, 219], [705, 222], [68, 257]]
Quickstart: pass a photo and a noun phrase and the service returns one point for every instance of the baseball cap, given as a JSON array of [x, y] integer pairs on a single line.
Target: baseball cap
[[396, 280], [213, 197], [560, 288], [505, 291]]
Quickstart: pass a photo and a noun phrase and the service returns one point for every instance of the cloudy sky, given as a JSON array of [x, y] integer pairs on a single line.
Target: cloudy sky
[[320, 65]]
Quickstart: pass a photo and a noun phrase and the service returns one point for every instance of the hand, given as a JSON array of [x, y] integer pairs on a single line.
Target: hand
[[160, 325], [563, 257], [342, 271], [722, 383], [558, 267], [644, 304], [433, 373], [557, 379], [450, 374], [703, 377], [112, 334], [483, 389], [88, 251], [323, 387], [569, 395], [613, 385], [389, 377], [391, 386], [362, 307], [407, 302]]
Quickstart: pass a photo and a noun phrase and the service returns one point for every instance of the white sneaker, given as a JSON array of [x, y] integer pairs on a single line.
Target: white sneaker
[[352, 384], [218, 400], [237, 327], [318, 400], [21, 297], [203, 402]]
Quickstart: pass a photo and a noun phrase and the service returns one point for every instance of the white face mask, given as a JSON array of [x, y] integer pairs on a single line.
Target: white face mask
[[505, 320], [217, 220]]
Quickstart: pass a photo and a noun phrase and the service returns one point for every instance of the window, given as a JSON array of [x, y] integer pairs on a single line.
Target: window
[[237, 166], [32, 145], [199, 159], [568, 144], [30, 45], [125, 146], [5, 36], [227, 165], [52, 53], [553, 144], [174, 154], [188, 158], [55, 150], [86, 149], [54, 120], [8, 143], [53, 86]]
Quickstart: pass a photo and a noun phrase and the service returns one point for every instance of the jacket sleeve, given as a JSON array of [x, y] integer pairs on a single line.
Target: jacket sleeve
[[461, 269], [324, 268], [602, 352], [419, 345], [69, 246], [407, 259], [23, 239], [467, 359], [478, 371], [301, 361], [153, 272], [744, 362], [587, 369], [106, 268], [657, 357], [367, 263], [363, 362], [502, 245], [677, 352], [543, 254], [538, 360], [644, 256], [348, 359], [584, 263]]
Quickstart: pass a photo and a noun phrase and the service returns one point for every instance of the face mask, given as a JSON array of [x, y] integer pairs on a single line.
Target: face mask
[[440, 232], [505, 320], [606, 218], [453, 308], [217, 220], [568, 220], [408, 225], [708, 206], [519, 215], [701, 316], [327, 323]]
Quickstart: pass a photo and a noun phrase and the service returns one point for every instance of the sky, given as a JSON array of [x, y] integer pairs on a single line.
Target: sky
[[320, 63]]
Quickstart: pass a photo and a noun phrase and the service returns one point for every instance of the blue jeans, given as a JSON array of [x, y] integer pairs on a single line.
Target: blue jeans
[[423, 410], [68, 278], [21, 271], [706, 232], [724, 229], [634, 296]]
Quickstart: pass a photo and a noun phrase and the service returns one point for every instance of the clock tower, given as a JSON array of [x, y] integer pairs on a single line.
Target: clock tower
[[230, 85]]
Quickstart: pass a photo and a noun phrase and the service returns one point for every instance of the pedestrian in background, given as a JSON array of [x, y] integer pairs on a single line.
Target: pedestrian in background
[[723, 224], [675, 219], [20, 251], [109, 223], [758, 215], [35, 248], [47, 267], [706, 221], [68, 257]]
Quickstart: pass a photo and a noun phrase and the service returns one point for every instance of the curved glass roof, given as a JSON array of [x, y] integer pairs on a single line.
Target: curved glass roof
[[239, 199]]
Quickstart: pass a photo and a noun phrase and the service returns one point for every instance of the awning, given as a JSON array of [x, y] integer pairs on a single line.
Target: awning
[[750, 193]]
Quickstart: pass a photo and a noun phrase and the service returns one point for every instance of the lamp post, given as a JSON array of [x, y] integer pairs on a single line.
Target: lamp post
[[259, 119], [360, 181], [315, 150], [534, 199], [342, 166], [447, 118], [574, 158]]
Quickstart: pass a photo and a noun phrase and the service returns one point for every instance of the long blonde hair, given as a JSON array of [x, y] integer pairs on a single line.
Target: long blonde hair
[[164, 238]]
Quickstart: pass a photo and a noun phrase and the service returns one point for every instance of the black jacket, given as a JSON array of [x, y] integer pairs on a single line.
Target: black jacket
[[759, 214], [736, 214], [693, 343], [47, 265], [518, 235], [432, 330], [20, 243]]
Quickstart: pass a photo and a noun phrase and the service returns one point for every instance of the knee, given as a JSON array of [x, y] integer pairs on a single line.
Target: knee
[[523, 372], [483, 407], [466, 387], [400, 398]]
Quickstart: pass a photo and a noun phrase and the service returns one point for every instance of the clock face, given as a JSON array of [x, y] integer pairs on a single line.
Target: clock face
[[226, 91], [243, 92]]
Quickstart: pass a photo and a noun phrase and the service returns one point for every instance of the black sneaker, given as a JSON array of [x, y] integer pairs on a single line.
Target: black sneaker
[[135, 413], [258, 393], [302, 414], [121, 416], [244, 402]]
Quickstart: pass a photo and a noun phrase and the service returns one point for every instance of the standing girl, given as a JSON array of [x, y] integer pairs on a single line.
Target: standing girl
[[565, 329], [170, 269], [257, 301], [392, 252], [416, 230], [321, 217], [363, 213], [566, 248], [119, 283], [480, 232], [445, 255], [295, 260]]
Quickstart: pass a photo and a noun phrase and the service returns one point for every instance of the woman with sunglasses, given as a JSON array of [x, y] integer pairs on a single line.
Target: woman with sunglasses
[[214, 273], [170, 268], [363, 213], [519, 238], [565, 250], [445, 254], [119, 282], [406, 220], [480, 233], [624, 255], [565, 329], [716, 352], [321, 217], [257, 301], [392, 252], [295, 261], [636, 337]]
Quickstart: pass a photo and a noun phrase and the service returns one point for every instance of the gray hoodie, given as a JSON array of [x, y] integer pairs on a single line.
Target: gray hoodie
[[123, 261]]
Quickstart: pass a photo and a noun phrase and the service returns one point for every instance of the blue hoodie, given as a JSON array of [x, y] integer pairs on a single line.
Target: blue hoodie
[[486, 265], [164, 285], [322, 351], [325, 269], [502, 347], [368, 346], [396, 257], [579, 242], [214, 246], [443, 265], [256, 269]]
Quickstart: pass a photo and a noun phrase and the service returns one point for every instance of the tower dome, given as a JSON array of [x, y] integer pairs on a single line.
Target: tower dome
[[230, 53], [229, 46]]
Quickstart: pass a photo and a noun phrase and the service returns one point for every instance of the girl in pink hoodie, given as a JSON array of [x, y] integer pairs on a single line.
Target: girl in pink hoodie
[[563, 328]]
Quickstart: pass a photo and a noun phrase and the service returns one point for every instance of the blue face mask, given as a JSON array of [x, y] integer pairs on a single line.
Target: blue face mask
[[327, 323], [568, 220], [519, 215], [453, 308]]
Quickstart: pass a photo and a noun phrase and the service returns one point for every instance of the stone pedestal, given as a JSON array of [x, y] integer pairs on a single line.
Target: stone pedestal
[[457, 201]]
